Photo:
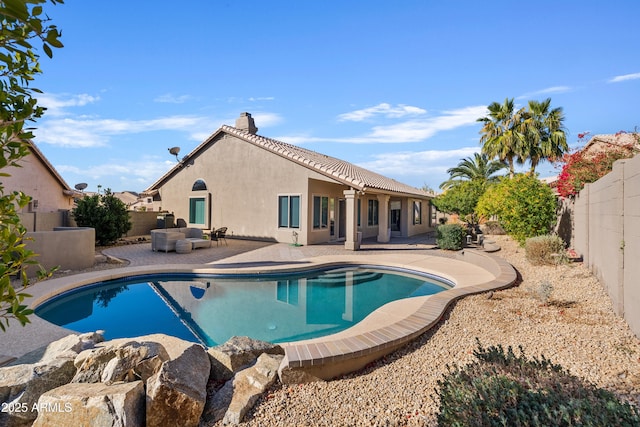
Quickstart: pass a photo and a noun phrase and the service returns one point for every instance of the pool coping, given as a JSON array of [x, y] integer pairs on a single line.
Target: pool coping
[[380, 333]]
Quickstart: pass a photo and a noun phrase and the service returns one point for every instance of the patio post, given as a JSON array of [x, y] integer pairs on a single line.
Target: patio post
[[383, 218], [351, 240]]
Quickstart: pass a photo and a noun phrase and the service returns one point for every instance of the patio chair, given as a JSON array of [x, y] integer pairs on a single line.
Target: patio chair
[[220, 235]]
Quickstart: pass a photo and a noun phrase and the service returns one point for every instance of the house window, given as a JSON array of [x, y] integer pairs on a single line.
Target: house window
[[289, 211], [359, 210], [197, 210], [199, 185], [372, 215], [417, 212], [320, 211]]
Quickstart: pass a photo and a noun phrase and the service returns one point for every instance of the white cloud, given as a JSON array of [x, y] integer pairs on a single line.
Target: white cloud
[[142, 171], [384, 110], [419, 130], [624, 77], [546, 91], [264, 119], [84, 133], [415, 130], [56, 103], [262, 98], [415, 163], [172, 99]]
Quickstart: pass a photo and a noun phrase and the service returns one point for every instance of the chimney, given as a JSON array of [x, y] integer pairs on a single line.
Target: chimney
[[245, 122]]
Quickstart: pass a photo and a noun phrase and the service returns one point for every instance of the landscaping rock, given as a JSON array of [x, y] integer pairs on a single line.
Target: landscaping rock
[[231, 403], [120, 360], [22, 383], [237, 353], [176, 394], [96, 404]]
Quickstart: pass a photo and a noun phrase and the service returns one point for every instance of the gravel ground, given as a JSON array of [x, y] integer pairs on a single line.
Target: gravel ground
[[576, 328]]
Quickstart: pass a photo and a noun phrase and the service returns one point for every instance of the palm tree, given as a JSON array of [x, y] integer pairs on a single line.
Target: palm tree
[[477, 168], [545, 138], [503, 133]]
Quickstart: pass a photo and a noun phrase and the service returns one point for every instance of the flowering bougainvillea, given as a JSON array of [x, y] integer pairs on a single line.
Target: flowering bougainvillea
[[580, 168]]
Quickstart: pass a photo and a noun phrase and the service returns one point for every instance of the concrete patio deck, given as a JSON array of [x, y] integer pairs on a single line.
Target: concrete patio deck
[[380, 333]]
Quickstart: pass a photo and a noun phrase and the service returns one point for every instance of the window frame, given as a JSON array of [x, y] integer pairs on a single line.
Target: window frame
[[417, 212], [320, 217], [290, 210], [373, 212]]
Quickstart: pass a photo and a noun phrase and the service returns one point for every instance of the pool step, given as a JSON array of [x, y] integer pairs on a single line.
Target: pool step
[[338, 277]]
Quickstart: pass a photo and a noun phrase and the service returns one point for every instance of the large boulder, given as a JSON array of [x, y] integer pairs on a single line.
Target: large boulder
[[238, 395], [96, 404], [176, 394], [22, 383], [236, 354], [120, 360]]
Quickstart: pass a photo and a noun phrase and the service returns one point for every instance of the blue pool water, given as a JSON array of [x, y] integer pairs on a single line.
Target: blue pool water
[[212, 308]]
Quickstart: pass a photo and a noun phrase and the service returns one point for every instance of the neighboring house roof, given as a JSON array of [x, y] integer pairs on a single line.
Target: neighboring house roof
[[339, 170], [601, 142]]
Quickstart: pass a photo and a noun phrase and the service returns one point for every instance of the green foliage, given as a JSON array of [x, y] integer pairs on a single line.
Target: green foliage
[[476, 168], [525, 207], [23, 21], [460, 199], [581, 168], [106, 213], [531, 134], [545, 250], [450, 236], [505, 389]]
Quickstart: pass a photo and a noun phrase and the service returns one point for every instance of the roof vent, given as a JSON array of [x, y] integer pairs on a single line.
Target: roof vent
[[245, 122]]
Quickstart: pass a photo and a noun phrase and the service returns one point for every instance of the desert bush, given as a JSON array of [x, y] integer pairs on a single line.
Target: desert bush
[[505, 389], [543, 292], [545, 250], [451, 236], [525, 206]]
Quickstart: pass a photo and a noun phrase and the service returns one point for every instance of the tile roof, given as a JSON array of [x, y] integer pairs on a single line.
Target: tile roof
[[600, 142], [340, 170]]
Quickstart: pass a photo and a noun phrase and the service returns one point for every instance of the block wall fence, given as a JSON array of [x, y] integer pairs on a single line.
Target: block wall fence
[[606, 231]]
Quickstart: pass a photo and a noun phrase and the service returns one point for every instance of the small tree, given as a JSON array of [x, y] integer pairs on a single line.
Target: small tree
[[23, 22], [461, 200], [104, 212], [525, 206]]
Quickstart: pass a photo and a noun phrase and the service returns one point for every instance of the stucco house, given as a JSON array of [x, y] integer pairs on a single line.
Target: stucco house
[[51, 196], [265, 189]]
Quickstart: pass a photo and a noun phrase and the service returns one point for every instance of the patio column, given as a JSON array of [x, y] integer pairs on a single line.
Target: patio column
[[383, 218], [351, 239]]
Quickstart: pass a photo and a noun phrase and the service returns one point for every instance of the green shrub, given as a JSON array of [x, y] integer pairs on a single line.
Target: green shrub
[[106, 213], [545, 250], [525, 206], [450, 236], [502, 389]]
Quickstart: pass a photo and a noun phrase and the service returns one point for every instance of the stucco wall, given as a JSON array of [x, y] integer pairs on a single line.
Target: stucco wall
[[243, 184], [70, 248], [44, 221], [36, 181], [607, 234]]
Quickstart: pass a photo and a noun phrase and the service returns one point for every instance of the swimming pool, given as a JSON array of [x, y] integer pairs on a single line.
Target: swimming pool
[[274, 307]]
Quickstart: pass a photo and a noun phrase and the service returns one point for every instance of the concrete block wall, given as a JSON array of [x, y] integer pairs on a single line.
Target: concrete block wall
[[69, 248], [607, 234]]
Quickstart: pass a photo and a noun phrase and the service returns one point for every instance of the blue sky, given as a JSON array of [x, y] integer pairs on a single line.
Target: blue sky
[[395, 87]]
